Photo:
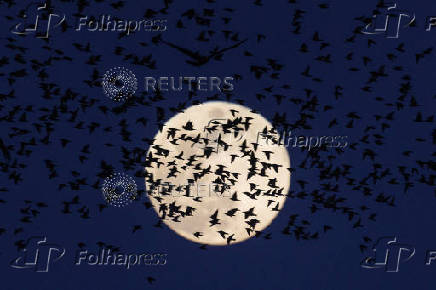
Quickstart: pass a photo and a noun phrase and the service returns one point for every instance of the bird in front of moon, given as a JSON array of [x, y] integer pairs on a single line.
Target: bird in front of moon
[[213, 177]]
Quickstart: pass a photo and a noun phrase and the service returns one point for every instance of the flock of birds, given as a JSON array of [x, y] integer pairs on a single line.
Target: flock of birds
[[214, 179], [356, 181]]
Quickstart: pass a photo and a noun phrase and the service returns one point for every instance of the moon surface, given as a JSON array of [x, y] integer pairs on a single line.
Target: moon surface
[[213, 178]]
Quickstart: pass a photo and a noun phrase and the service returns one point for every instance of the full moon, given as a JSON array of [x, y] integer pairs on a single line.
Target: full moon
[[214, 176]]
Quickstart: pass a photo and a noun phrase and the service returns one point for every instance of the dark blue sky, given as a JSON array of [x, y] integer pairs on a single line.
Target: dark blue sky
[[330, 262]]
